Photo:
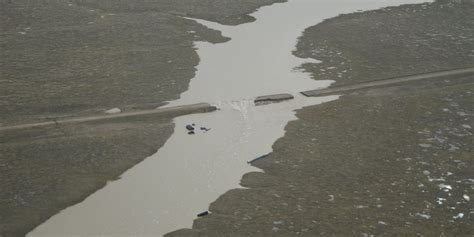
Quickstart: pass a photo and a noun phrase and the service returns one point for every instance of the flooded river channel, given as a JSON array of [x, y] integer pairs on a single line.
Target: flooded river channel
[[168, 189]]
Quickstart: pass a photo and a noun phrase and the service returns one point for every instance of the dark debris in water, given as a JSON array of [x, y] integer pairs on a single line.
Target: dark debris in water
[[258, 158], [192, 130], [203, 214]]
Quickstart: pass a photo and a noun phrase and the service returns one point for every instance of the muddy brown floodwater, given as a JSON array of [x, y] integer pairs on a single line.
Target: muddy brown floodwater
[[167, 190]]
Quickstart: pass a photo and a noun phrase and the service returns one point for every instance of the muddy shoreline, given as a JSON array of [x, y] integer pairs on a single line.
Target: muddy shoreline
[[385, 161]]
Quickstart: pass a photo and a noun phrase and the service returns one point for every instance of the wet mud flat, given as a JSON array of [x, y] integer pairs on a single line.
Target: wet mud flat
[[386, 161], [63, 59]]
